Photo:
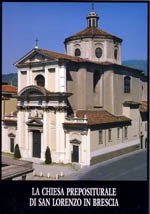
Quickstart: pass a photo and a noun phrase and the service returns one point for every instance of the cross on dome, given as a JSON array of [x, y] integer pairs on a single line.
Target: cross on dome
[[36, 43], [92, 6]]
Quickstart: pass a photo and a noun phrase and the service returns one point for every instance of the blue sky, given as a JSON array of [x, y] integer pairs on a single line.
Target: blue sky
[[53, 22]]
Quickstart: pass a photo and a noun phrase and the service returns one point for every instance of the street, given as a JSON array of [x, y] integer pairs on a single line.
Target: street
[[128, 167]]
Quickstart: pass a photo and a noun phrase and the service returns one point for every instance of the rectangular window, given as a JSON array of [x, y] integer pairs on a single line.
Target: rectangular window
[[24, 72], [100, 136], [125, 132], [109, 134], [118, 133], [51, 70]]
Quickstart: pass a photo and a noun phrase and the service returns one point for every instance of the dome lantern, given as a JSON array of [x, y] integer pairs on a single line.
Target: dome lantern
[[92, 19]]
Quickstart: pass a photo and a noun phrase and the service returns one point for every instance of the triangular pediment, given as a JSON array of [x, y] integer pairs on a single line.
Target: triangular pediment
[[34, 56], [34, 122]]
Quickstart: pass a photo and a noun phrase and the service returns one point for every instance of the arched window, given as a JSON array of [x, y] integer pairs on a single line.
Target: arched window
[[127, 84], [40, 81], [98, 52], [77, 52], [115, 53]]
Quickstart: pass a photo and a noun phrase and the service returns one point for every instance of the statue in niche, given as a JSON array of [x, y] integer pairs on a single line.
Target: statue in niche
[[41, 115], [36, 114]]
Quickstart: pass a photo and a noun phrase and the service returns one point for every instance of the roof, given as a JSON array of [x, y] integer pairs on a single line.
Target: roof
[[92, 32], [131, 103], [5, 98], [60, 56], [143, 106], [9, 89], [97, 117], [79, 59], [10, 120]]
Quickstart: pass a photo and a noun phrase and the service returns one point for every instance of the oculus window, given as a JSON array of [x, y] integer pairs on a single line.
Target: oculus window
[[98, 52]]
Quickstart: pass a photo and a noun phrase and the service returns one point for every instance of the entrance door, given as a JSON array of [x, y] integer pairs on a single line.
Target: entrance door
[[141, 139], [37, 144], [75, 154], [11, 144], [145, 142]]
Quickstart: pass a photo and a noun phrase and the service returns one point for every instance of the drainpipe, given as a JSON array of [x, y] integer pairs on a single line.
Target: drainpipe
[[122, 135], [105, 137]]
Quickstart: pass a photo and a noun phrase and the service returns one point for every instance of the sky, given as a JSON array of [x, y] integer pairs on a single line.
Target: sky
[[51, 23]]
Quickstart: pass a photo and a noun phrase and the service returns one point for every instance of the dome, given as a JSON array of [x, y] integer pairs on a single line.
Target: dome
[[92, 32]]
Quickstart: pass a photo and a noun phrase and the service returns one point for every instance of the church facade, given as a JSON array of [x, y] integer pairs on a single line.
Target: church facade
[[84, 105]]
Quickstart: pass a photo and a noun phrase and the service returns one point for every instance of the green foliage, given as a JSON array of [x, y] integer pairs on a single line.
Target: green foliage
[[17, 153], [11, 79], [48, 158]]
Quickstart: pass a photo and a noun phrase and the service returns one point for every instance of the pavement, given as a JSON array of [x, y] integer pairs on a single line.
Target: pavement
[[75, 172], [14, 168], [132, 166], [53, 171]]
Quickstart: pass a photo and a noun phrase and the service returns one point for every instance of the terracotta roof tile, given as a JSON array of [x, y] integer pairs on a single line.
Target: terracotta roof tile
[[5, 98], [79, 59], [10, 120], [143, 106], [9, 88], [131, 103], [96, 117], [61, 56], [92, 32], [71, 58]]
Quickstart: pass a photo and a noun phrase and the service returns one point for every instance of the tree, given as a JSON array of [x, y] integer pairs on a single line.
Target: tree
[[48, 158], [17, 153]]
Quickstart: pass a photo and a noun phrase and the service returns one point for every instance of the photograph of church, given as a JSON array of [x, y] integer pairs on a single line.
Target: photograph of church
[[84, 105]]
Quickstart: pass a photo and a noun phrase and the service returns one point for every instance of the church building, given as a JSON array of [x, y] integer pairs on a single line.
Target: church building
[[84, 105]]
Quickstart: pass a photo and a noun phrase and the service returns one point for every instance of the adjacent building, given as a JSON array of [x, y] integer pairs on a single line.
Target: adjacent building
[[9, 117]]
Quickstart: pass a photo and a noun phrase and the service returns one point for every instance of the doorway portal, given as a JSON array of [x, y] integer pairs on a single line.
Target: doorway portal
[[75, 154], [141, 141], [37, 144]]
